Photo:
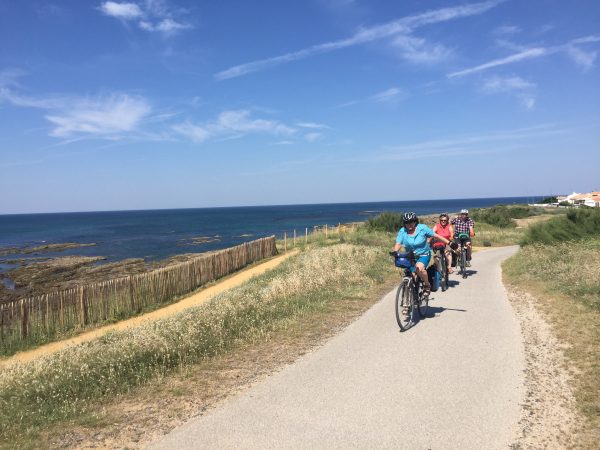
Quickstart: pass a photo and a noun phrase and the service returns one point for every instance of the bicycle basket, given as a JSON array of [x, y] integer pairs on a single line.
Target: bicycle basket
[[404, 260]]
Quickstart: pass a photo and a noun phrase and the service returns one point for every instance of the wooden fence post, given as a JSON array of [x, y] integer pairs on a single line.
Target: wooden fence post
[[306, 235], [285, 242], [294, 238], [326, 231]]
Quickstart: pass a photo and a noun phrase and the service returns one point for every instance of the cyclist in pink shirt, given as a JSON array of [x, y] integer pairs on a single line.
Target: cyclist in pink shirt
[[445, 229]]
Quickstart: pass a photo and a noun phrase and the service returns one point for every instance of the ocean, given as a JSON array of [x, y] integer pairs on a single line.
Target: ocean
[[158, 234]]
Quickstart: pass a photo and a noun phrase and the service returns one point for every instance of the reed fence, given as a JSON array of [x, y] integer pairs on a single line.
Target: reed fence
[[41, 318]]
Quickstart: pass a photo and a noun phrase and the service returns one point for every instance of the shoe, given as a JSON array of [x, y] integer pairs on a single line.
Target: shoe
[[426, 290], [450, 270], [405, 311], [468, 264]]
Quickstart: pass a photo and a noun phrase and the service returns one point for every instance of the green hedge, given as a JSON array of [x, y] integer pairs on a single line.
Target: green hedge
[[501, 216]]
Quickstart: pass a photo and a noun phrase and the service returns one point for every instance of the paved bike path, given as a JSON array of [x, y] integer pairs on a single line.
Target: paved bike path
[[455, 380]]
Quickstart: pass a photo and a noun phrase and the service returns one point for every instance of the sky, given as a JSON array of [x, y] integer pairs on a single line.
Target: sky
[[151, 104]]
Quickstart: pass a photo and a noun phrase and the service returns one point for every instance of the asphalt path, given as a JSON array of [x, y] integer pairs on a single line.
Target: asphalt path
[[454, 380]]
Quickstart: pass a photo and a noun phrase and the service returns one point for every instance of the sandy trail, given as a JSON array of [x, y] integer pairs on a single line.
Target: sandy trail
[[188, 302]]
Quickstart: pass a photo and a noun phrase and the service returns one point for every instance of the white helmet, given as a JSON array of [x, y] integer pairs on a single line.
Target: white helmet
[[464, 211]]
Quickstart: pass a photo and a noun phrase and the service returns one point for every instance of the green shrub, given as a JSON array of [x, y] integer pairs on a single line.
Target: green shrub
[[386, 221], [501, 216], [576, 224]]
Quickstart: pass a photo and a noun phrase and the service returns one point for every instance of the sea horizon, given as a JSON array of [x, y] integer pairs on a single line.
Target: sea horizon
[[272, 205], [158, 234]]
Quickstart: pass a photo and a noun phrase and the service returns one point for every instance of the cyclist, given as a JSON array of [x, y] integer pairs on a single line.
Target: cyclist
[[413, 236], [464, 224], [444, 228]]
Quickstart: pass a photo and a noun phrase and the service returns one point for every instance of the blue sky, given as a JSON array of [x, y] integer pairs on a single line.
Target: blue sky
[[111, 105]]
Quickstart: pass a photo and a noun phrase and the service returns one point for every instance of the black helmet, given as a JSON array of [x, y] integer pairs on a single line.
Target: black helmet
[[409, 217]]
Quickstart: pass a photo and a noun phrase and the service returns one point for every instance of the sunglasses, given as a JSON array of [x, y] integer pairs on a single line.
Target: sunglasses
[[443, 220]]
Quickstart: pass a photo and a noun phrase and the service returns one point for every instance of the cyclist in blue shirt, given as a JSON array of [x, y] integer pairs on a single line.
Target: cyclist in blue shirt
[[414, 237]]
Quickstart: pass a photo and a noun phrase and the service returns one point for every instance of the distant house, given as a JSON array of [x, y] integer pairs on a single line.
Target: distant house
[[592, 199]]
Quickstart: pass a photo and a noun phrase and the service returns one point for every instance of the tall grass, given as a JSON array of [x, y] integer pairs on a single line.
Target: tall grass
[[576, 224], [67, 383]]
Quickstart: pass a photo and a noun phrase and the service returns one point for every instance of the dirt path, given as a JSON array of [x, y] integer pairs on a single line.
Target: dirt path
[[188, 302], [455, 380]]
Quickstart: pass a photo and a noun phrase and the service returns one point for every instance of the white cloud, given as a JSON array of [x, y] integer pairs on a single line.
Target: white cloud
[[527, 101], [316, 126], [388, 95], [391, 95], [126, 11], [404, 25], [507, 29], [101, 116], [581, 57], [104, 116], [471, 145], [505, 84], [153, 16], [418, 51], [233, 123], [312, 137]]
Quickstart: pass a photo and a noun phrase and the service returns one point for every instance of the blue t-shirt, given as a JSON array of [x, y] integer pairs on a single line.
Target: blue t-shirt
[[416, 242]]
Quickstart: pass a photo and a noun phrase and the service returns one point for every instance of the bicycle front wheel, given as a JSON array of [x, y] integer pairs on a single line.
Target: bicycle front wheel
[[463, 263], [422, 302], [443, 273], [404, 305]]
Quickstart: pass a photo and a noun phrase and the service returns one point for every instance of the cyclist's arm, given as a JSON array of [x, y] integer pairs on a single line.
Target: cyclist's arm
[[472, 229], [441, 238]]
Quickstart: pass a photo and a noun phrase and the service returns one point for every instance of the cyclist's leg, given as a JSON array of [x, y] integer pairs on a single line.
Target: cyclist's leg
[[421, 271], [448, 256], [469, 249]]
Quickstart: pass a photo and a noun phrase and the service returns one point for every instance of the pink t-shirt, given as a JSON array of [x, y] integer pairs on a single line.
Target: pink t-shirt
[[442, 231]]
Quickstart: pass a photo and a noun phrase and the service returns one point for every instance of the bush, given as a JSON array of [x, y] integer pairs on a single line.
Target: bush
[[386, 221], [576, 224], [501, 216], [549, 200]]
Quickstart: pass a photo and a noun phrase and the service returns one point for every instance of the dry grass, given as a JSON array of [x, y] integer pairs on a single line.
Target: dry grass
[[70, 383], [565, 281]]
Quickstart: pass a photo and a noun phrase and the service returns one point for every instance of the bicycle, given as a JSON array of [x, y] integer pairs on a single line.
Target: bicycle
[[409, 296], [462, 255], [441, 265]]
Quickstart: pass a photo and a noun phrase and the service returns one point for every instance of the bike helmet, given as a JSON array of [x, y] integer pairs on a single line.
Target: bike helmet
[[409, 217], [464, 211]]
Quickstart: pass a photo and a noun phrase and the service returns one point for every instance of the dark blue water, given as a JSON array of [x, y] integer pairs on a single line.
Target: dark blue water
[[158, 234]]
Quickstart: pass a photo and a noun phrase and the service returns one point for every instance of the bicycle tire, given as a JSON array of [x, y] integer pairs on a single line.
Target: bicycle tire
[[421, 302], [404, 298], [463, 262], [443, 273]]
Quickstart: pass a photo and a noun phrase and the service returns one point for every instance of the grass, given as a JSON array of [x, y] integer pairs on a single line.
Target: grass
[[70, 383], [564, 278]]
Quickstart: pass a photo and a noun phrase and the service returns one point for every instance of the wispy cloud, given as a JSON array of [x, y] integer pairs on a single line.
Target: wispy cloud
[[404, 25], [512, 85], [391, 95], [584, 58], [313, 137], [506, 29], [419, 51], [106, 116], [228, 124], [505, 84], [472, 144], [150, 15], [312, 125]]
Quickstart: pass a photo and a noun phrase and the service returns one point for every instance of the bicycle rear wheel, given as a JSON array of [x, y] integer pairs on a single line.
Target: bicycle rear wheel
[[404, 305], [463, 262]]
